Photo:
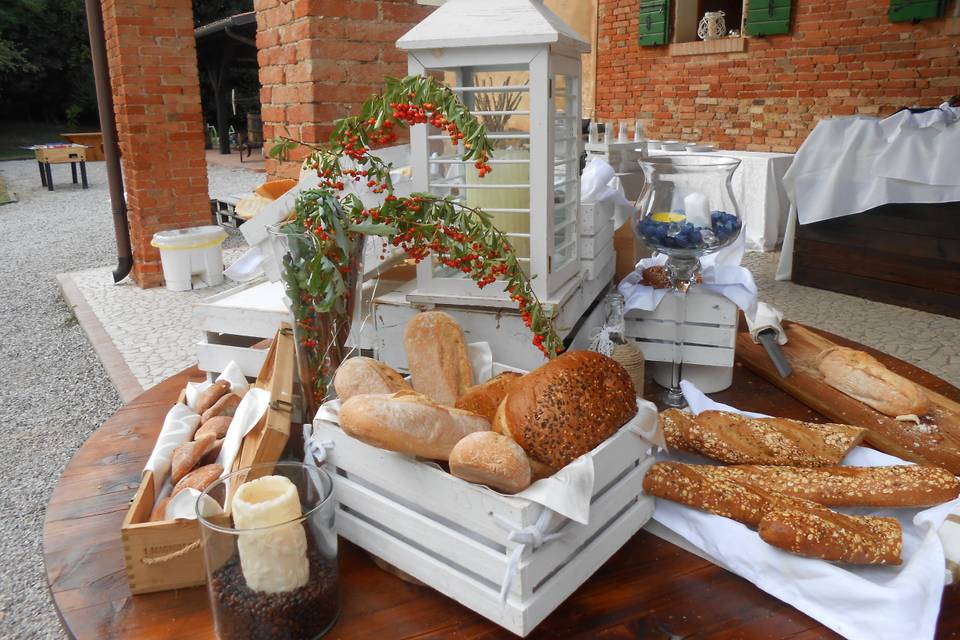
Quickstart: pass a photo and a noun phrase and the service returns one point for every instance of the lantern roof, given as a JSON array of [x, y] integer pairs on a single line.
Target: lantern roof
[[476, 23]]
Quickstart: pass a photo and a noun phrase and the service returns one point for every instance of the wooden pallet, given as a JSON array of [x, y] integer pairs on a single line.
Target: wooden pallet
[[935, 441]]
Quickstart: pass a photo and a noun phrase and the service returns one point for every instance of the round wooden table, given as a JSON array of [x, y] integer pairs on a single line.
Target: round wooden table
[[649, 589]]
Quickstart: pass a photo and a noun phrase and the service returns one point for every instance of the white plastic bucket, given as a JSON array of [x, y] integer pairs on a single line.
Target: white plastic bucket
[[185, 253]]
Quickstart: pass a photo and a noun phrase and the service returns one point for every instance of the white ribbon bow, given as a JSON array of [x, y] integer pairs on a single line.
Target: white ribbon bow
[[314, 453], [534, 535]]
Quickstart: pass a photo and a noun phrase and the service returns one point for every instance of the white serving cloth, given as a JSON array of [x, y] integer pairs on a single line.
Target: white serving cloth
[[599, 183], [721, 272], [758, 186], [858, 602], [767, 317]]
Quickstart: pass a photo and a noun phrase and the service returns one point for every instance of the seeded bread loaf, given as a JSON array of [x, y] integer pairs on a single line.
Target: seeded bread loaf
[[735, 439], [864, 378], [437, 357], [567, 407], [365, 375], [897, 486]]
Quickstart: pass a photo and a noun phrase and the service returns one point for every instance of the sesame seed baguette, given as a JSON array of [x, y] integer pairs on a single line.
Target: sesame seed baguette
[[793, 524], [408, 422], [896, 486], [735, 439], [835, 537], [437, 356]]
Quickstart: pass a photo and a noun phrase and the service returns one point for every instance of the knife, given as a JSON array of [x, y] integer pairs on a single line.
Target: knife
[[768, 338]]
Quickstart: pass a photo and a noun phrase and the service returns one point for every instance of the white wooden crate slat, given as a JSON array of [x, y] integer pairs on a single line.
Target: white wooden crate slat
[[596, 268], [594, 216], [215, 357], [692, 354], [703, 334], [593, 245]]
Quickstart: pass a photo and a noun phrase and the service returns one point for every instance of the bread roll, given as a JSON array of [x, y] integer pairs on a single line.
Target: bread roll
[[735, 439], [491, 459], [484, 399], [365, 375], [225, 406], [187, 455], [209, 396], [862, 377], [567, 407], [408, 423], [896, 486], [159, 513], [437, 356], [198, 479], [217, 426], [827, 535]]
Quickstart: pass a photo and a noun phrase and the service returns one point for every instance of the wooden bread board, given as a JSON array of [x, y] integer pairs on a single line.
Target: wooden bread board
[[936, 440]]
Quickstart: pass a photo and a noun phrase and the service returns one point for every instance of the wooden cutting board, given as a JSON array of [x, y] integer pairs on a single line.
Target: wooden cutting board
[[936, 440]]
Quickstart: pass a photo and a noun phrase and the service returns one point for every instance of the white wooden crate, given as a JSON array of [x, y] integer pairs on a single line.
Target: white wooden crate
[[441, 529], [591, 246], [233, 321], [710, 338], [594, 216]]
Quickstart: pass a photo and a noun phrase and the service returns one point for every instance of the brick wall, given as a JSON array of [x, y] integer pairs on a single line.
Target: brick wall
[[842, 57], [319, 59], [156, 93]]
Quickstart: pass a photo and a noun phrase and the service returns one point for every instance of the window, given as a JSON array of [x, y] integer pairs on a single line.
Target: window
[[690, 12]]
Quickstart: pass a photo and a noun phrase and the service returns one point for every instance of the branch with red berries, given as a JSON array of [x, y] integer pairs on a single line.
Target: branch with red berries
[[423, 224]]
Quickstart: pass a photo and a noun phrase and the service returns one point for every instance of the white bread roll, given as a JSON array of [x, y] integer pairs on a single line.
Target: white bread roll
[[365, 375], [567, 407], [483, 399], [408, 423], [864, 378], [491, 459], [437, 356]]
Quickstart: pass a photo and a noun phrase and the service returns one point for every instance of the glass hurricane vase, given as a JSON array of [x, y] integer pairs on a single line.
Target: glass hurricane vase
[[322, 303], [686, 210]]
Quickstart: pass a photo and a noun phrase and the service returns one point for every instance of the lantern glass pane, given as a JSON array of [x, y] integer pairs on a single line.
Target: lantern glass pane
[[566, 169], [499, 96]]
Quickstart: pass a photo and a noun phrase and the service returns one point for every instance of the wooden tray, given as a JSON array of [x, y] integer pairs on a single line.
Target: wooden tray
[[936, 440]]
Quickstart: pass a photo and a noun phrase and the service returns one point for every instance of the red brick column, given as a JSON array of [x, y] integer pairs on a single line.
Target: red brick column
[[319, 59], [156, 94]]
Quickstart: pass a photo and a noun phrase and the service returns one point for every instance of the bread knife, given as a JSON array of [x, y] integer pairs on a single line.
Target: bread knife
[[768, 338]]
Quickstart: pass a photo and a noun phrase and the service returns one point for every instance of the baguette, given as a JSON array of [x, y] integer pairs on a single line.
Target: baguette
[[365, 375], [792, 524], [491, 459], [437, 356], [896, 486], [836, 537], [735, 439], [862, 377], [408, 423], [484, 399]]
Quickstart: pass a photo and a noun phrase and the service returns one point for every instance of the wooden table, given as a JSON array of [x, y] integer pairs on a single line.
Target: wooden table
[[649, 589], [66, 154]]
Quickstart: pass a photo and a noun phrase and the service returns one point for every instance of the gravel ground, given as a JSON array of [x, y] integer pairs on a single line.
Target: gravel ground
[[53, 389]]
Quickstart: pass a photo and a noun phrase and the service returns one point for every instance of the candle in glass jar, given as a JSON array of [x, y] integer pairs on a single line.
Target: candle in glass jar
[[275, 559], [696, 205]]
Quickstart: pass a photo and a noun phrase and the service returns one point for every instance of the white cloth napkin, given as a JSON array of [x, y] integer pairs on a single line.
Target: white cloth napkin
[[766, 317], [721, 273], [599, 183], [860, 603]]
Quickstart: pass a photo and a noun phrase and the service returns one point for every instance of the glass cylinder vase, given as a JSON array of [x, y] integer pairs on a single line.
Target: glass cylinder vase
[[278, 579], [322, 301]]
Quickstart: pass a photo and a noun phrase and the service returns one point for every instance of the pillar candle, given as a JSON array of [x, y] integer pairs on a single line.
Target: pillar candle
[[696, 205], [274, 560]]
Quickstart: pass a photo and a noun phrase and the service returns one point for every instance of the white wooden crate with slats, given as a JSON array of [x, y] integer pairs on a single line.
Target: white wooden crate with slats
[[443, 531]]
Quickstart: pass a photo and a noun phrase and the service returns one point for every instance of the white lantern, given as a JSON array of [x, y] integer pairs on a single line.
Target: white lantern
[[516, 65]]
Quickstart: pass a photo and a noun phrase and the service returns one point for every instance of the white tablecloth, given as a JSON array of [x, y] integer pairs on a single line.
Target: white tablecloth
[[758, 187]]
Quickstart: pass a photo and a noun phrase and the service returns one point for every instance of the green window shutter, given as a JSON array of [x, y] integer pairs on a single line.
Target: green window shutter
[[654, 22], [915, 10], [767, 17]]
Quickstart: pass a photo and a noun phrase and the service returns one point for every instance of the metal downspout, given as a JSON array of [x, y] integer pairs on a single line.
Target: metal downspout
[[108, 128]]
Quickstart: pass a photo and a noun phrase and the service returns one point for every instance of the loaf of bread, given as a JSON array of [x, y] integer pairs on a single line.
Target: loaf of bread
[[217, 426], [735, 439], [896, 486], [567, 407], [209, 396], [491, 459], [862, 377], [225, 406], [361, 375], [818, 532], [483, 399], [159, 513], [437, 357], [793, 524], [187, 455], [199, 479], [408, 423]]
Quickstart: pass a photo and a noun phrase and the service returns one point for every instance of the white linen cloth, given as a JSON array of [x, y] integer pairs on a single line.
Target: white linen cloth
[[758, 186], [767, 317], [858, 602], [721, 273], [850, 165], [600, 183]]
